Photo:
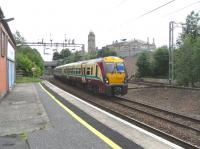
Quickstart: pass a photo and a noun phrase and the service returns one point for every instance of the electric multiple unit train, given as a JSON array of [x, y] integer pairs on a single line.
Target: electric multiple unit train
[[102, 75]]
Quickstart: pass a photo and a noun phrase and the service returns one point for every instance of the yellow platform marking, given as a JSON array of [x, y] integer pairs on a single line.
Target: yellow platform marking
[[84, 123]]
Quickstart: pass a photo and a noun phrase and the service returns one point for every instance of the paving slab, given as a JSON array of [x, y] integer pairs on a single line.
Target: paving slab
[[13, 142], [21, 111], [65, 133]]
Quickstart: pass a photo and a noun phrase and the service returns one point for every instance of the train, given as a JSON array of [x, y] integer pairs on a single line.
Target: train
[[106, 75]]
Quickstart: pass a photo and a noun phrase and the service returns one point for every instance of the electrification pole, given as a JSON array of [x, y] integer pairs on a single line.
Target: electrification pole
[[171, 46], [171, 49]]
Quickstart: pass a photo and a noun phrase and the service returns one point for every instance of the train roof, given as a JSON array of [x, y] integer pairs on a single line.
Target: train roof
[[104, 59]]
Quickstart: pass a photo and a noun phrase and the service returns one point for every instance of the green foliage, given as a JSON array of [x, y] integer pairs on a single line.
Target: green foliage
[[187, 60], [154, 64], [33, 57], [56, 56], [36, 71], [187, 56], [18, 38], [106, 52], [161, 62], [27, 79], [28, 58], [192, 28], [65, 53], [77, 56], [23, 63], [144, 65]]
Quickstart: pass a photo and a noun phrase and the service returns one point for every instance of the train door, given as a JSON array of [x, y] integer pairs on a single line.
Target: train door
[[83, 73]]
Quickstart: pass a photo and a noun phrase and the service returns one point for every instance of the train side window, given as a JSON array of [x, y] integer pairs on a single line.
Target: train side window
[[77, 71], [96, 70], [88, 71], [91, 70]]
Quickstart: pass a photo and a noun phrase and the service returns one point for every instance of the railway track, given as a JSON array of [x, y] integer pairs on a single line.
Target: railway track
[[147, 110], [156, 84], [147, 127], [175, 118]]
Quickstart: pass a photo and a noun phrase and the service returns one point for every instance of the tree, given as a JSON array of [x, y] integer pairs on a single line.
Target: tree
[[143, 64], [187, 56], [187, 60], [19, 38], [161, 61], [191, 27], [23, 63], [106, 52], [56, 56], [77, 56], [65, 53], [28, 58]]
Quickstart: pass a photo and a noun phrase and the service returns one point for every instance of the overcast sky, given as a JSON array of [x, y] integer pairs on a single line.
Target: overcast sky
[[109, 19]]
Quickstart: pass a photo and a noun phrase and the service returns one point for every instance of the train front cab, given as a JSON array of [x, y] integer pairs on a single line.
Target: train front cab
[[115, 78]]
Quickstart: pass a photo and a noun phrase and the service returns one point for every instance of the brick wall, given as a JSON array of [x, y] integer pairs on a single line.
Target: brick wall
[[131, 67], [3, 75]]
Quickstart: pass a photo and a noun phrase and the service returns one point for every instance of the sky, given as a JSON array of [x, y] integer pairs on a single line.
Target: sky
[[110, 20]]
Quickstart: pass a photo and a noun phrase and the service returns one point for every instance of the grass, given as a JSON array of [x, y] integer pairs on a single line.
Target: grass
[[27, 79], [23, 136]]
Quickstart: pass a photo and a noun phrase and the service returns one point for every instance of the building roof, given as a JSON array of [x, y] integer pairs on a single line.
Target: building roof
[[5, 24]]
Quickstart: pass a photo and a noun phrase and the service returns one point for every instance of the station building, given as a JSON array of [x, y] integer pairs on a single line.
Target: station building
[[132, 47], [7, 56]]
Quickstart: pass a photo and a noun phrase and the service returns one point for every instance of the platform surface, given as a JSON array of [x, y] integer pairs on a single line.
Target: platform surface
[[133, 133], [46, 122]]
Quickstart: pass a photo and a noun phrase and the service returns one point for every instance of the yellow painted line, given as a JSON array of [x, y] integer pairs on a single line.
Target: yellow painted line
[[84, 123]]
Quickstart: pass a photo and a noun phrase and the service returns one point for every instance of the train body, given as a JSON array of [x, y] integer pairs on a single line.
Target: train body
[[103, 75]]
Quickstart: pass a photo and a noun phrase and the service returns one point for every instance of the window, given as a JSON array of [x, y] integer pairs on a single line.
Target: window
[[83, 71], [96, 70], [3, 44], [91, 70], [110, 67], [120, 67], [88, 71]]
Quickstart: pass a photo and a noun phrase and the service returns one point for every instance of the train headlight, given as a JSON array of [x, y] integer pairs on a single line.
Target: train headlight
[[106, 80]]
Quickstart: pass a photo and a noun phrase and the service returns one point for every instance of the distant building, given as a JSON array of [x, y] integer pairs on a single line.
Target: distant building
[[131, 48], [91, 42], [7, 56]]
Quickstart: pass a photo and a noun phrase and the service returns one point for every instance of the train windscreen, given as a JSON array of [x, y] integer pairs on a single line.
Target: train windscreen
[[114, 67], [120, 67]]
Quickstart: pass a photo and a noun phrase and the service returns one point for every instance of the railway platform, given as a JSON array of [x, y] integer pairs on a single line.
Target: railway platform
[[127, 132], [55, 119]]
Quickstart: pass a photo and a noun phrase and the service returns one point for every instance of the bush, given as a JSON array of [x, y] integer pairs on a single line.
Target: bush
[[161, 62], [144, 65]]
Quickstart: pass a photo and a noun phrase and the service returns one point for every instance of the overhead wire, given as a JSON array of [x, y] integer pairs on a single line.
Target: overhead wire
[[182, 8], [155, 9]]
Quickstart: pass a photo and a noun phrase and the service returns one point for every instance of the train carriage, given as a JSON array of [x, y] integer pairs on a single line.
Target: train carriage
[[103, 75]]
